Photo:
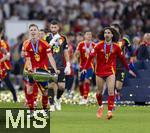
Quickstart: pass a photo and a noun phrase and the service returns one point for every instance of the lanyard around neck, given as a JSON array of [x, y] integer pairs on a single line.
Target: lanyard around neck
[[35, 47], [87, 49], [111, 48]]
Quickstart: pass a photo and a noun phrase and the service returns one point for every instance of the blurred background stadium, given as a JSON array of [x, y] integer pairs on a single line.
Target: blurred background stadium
[[75, 17]]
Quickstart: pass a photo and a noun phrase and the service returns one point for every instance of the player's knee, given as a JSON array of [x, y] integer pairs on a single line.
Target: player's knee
[[29, 89], [87, 81], [119, 86], [51, 85], [111, 92], [45, 93], [99, 90], [61, 86]]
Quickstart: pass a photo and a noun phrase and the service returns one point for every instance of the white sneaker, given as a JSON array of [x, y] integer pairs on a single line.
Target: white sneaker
[[52, 108], [83, 101], [58, 104]]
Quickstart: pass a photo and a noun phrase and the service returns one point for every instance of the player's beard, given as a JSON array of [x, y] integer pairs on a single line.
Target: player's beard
[[108, 39], [54, 32]]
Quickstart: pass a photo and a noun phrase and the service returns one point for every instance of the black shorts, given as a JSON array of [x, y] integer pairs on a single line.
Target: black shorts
[[120, 75], [61, 76]]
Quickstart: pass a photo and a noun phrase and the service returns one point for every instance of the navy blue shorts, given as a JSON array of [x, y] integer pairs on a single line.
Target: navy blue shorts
[[87, 75], [30, 80]]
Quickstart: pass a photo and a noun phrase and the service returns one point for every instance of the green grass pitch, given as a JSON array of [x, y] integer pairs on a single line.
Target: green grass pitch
[[82, 119]]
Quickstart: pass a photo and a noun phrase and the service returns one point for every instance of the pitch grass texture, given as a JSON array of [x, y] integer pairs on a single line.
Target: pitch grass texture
[[82, 119]]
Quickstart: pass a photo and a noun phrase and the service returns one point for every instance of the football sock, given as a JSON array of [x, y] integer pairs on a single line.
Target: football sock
[[59, 93], [86, 90], [44, 102], [30, 101], [99, 99], [35, 92], [81, 89], [110, 103], [51, 96]]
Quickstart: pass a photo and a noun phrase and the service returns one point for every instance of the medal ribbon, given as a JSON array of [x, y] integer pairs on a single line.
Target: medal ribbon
[[35, 49], [87, 49], [111, 48]]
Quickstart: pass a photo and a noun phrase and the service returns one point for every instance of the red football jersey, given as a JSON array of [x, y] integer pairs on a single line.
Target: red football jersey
[[39, 59], [106, 62], [6, 63], [25, 43], [85, 49]]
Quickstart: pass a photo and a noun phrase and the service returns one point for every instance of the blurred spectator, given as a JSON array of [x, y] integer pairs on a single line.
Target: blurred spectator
[[142, 51], [136, 43], [133, 15]]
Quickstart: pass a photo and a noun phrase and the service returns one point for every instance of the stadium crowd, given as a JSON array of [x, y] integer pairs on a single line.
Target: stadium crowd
[[78, 15]]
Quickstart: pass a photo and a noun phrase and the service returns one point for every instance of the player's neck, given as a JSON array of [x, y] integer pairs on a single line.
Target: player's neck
[[34, 40], [55, 33], [87, 41], [108, 42]]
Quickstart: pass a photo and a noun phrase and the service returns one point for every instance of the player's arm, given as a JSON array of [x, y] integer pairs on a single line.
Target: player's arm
[[65, 49], [129, 48], [52, 61], [5, 53], [122, 57], [91, 56], [50, 57], [77, 53], [66, 55], [128, 45], [27, 56], [28, 65], [123, 60]]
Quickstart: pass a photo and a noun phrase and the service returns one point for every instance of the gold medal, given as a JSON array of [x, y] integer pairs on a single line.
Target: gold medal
[[37, 57]]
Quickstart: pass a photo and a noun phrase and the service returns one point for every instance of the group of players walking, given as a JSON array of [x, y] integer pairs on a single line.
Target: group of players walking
[[51, 52]]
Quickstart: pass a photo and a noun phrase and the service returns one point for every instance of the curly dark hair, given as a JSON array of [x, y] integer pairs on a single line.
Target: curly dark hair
[[114, 32]]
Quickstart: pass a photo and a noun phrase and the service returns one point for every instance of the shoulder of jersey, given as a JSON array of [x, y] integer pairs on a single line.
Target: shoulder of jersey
[[100, 43], [47, 35], [63, 36], [4, 43], [116, 44], [81, 43], [44, 41], [26, 42]]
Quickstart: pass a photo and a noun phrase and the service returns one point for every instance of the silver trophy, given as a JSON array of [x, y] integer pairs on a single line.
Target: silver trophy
[[41, 75]]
